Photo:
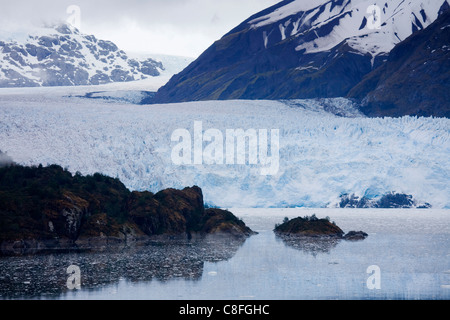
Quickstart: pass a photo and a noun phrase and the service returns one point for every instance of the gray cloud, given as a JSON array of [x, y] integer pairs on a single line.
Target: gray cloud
[[183, 27]]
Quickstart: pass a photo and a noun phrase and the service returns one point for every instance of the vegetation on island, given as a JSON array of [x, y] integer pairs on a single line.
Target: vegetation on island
[[311, 226], [49, 207]]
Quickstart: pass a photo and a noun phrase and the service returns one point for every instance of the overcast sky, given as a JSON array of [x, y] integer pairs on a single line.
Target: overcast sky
[[176, 27]]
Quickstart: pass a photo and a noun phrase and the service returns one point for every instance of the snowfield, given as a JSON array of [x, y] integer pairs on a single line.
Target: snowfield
[[399, 19], [321, 155]]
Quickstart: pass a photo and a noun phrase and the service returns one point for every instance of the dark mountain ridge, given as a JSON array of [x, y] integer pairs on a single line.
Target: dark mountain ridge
[[295, 51], [415, 80]]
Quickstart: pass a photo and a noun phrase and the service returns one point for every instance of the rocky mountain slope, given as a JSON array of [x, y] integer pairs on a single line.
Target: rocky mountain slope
[[415, 79], [63, 56], [301, 49]]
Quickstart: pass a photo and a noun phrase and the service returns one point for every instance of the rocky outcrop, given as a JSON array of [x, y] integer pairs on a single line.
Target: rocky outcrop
[[169, 212], [314, 236], [315, 227], [309, 226], [222, 222], [46, 208]]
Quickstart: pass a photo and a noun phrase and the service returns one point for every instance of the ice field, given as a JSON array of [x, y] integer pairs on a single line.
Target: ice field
[[321, 155]]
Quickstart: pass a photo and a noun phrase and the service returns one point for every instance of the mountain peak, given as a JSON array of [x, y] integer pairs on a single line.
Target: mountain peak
[[65, 28], [60, 55]]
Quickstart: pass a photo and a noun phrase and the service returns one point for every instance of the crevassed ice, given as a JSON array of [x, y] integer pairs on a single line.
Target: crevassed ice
[[321, 155]]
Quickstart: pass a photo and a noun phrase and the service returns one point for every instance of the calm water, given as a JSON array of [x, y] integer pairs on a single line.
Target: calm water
[[410, 247]]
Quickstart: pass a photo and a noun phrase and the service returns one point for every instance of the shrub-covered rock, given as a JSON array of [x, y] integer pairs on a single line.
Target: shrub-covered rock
[[309, 226], [315, 227], [48, 207]]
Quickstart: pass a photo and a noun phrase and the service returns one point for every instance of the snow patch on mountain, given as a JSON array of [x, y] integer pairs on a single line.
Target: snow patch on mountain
[[321, 25], [285, 11], [62, 56]]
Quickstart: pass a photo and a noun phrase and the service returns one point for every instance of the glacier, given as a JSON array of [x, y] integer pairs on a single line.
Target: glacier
[[324, 152]]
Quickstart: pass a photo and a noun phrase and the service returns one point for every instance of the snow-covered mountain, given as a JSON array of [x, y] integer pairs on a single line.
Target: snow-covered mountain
[[415, 80], [322, 25], [301, 49], [62, 56]]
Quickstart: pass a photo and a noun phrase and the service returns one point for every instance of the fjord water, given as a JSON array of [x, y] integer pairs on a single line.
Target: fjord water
[[411, 248]]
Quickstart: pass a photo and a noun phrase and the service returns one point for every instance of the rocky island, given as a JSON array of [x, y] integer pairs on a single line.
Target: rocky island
[[313, 235], [47, 208], [315, 227]]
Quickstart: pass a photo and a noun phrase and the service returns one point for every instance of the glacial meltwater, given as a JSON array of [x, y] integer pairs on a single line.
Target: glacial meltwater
[[406, 256]]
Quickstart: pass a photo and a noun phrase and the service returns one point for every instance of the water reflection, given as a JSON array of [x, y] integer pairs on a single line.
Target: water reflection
[[309, 245], [45, 275]]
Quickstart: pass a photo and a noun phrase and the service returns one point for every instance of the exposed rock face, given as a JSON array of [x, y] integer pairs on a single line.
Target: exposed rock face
[[187, 204], [168, 212], [415, 80], [66, 57], [222, 222], [48, 208], [68, 223]]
